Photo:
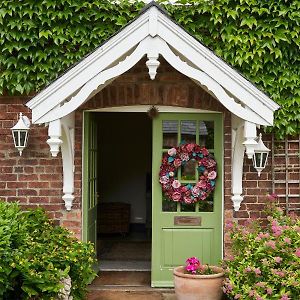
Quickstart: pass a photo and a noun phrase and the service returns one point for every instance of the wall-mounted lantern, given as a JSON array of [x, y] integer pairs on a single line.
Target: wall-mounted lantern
[[260, 156], [20, 133]]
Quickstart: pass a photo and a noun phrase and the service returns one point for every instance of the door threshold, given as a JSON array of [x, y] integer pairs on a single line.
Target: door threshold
[[130, 288]]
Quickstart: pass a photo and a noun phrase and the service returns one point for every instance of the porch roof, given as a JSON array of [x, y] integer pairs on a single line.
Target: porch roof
[[152, 33]]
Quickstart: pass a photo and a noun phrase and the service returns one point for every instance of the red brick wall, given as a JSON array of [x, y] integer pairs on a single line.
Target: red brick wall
[[35, 178]]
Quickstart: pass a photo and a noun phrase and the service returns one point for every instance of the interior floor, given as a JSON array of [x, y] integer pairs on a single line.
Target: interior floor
[[130, 252], [123, 279]]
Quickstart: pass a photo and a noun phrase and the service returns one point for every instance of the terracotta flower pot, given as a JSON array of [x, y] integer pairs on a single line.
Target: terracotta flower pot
[[198, 287]]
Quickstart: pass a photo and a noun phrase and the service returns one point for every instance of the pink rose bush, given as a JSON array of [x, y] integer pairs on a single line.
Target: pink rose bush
[[265, 263], [187, 193]]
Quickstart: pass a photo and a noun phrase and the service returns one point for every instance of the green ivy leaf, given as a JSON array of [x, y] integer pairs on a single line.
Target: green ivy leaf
[[45, 33], [249, 22]]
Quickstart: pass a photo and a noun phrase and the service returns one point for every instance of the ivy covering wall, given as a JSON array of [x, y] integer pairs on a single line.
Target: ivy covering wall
[[40, 39]]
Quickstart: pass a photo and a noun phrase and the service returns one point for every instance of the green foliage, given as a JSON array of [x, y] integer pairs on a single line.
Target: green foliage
[[39, 39], [35, 256], [266, 259]]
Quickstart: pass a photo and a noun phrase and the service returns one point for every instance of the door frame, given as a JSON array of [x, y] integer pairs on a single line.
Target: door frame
[[139, 109]]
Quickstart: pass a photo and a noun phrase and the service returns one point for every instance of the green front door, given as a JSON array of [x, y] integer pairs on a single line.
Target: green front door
[[173, 244], [90, 193]]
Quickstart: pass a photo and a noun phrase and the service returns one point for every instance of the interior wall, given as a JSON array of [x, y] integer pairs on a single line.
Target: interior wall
[[125, 155]]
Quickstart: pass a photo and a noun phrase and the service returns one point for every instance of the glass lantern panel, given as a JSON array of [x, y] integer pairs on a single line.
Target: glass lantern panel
[[23, 135], [257, 159], [170, 131], [16, 138], [264, 159]]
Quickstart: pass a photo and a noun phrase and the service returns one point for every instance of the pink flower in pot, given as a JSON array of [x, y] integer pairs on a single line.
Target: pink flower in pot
[[197, 281]]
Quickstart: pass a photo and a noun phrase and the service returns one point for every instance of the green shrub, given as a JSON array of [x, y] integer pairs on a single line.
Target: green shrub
[[266, 259], [35, 255]]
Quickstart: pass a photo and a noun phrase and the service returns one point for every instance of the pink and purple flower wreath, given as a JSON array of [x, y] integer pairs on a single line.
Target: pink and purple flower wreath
[[179, 156]]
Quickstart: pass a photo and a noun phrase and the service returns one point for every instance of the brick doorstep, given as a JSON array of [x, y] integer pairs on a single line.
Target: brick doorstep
[[114, 285], [113, 292]]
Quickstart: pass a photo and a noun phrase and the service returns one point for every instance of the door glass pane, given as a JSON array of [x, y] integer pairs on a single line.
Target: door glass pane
[[207, 205], [206, 134], [188, 207], [168, 205], [188, 132], [170, 131], [188, 171]]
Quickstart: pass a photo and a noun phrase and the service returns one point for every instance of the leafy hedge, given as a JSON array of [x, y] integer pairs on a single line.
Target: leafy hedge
[[35, 256], [39, 39]]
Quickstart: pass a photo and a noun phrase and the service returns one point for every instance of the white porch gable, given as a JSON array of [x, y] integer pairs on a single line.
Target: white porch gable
[[153, 34]]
